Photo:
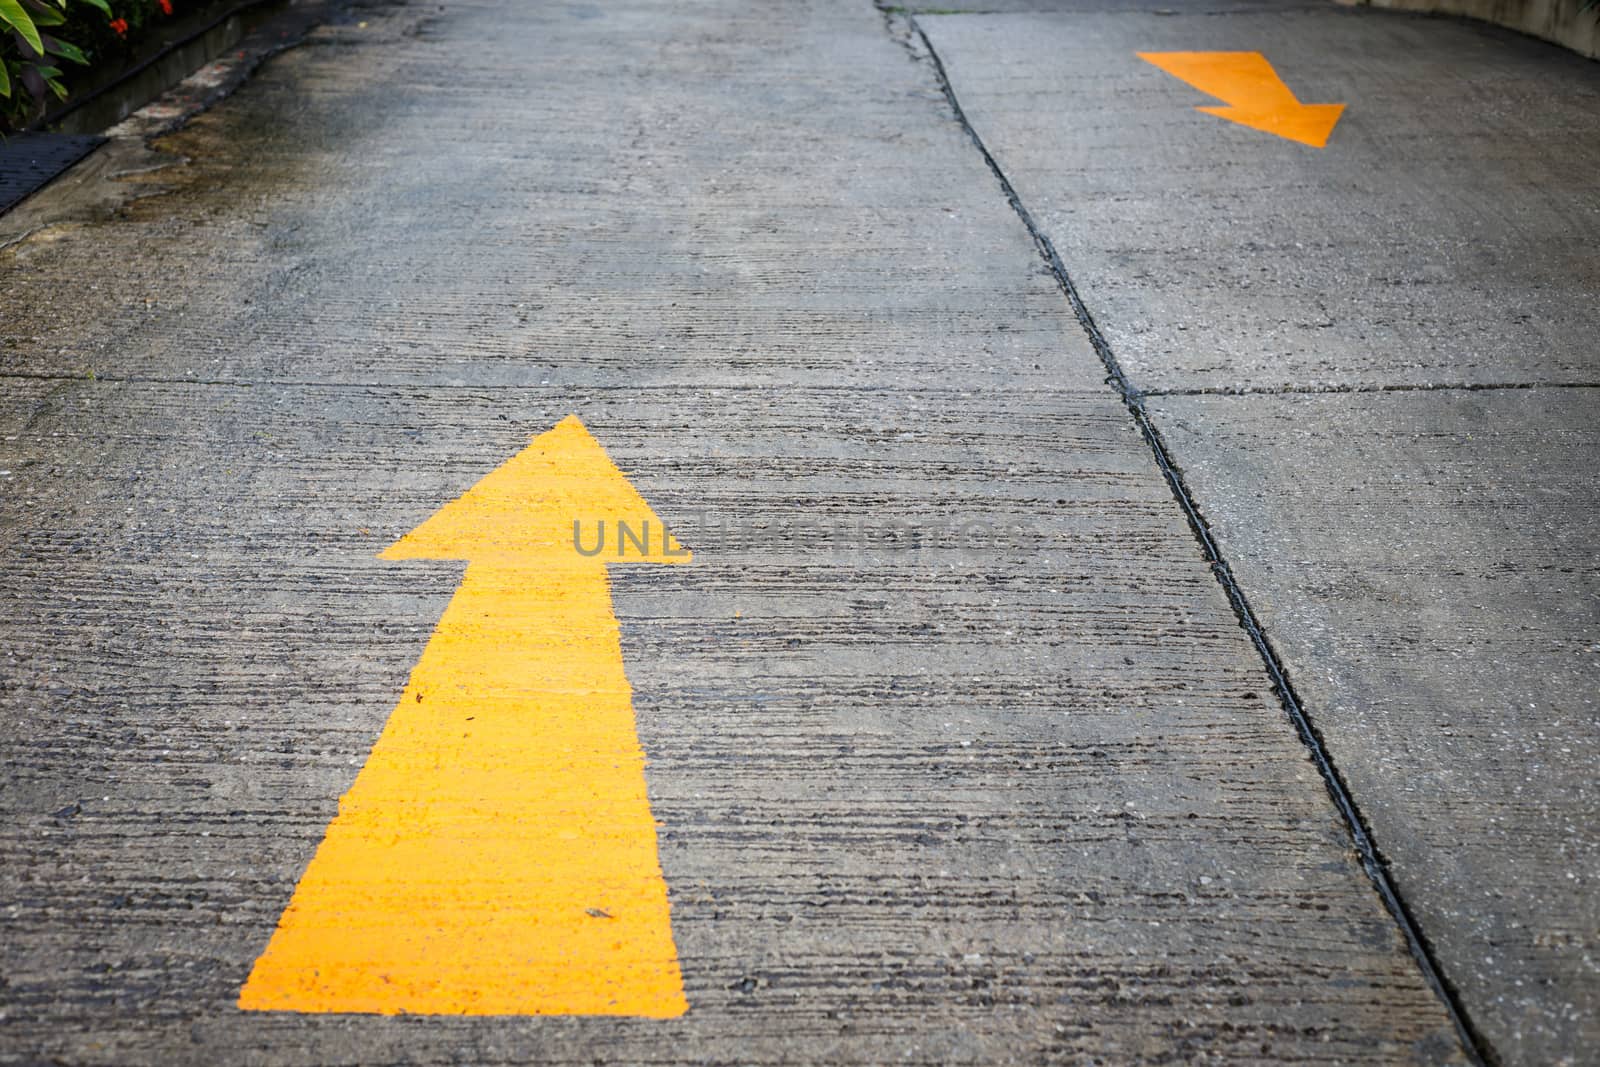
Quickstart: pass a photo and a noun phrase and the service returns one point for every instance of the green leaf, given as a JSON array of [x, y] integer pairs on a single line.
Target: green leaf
[[5, 80], [102, 5], [57, 88], [14, 15], [47, 16], [57, 47]]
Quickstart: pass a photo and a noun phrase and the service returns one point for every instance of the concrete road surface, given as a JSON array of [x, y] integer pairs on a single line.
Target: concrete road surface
[[1374, 364], [1143, 595]]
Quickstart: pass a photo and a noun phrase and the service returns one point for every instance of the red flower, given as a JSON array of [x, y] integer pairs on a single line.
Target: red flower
[[121, 26], [166, 6]]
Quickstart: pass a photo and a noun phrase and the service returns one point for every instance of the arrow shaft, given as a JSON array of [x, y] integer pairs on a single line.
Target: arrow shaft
[[1243, 79], [496, 854]]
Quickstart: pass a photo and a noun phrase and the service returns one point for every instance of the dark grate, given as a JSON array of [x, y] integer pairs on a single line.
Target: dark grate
[[29, 160]]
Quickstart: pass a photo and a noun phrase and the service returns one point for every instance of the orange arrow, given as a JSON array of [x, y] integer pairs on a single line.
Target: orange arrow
[[496, 855], [1256, 96]]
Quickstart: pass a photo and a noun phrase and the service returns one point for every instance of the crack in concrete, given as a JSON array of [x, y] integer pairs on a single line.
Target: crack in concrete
[[487, 387], [1313, 390]]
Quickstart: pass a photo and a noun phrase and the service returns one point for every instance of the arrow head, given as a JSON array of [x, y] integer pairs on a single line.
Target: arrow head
[[1255, 95], [560, 501], [1310, 124]]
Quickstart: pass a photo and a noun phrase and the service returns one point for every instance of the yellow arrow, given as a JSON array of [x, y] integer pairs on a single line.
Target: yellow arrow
[[1256, 96], [496, 854]]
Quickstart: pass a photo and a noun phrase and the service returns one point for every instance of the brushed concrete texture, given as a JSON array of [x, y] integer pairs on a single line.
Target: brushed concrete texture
[[974, 803], [1446, 234], [1017, 795], [350, 254], [1426, 566]]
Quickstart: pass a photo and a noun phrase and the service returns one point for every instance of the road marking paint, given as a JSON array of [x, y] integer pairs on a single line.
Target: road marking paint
[[1255, 95], [496, 855]]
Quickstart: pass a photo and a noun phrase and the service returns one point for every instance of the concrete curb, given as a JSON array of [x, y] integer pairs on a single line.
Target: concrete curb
[[95, 186], [1563, 22]]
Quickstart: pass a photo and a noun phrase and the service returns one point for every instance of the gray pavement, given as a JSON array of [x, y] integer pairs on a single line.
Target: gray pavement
[[1423, 561], [1425, 565], [1446, 236], [958, 750]]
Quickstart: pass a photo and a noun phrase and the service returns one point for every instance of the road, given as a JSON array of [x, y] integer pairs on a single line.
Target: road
[[1143, 594]]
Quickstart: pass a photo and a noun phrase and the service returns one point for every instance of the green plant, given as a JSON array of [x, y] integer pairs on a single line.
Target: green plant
[[29, 55]]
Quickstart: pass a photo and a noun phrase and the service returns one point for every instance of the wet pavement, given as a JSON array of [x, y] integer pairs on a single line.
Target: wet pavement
[[956, 748]]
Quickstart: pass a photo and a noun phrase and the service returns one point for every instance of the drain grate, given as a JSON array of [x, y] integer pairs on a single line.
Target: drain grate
[[29, 160]]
